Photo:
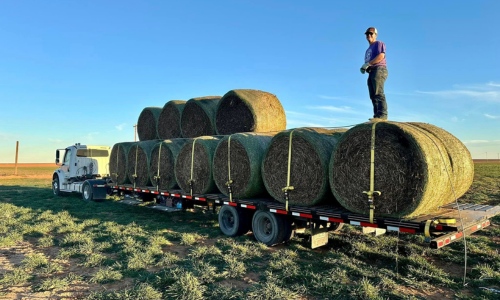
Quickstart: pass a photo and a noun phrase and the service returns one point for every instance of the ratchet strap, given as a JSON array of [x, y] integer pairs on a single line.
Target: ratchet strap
[[434, 222], [372, 192], [288, 187], [117, 157], [191, 181], [157, 177], [228, 184], [135, 174]]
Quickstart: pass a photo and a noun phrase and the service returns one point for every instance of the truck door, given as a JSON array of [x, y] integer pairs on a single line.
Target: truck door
[[66, 162]]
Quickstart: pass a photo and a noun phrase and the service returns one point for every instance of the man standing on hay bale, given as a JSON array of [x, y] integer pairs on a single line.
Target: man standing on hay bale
[[376, 66]]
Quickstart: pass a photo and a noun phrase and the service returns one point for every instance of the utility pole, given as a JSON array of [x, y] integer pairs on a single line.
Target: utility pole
[[135, 131], [17, 153]]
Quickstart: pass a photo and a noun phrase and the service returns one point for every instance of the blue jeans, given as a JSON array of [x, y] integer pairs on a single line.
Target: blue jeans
[[376, 80]]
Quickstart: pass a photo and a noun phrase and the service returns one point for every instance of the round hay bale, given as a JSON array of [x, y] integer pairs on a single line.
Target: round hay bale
[[248, 110], [198, 117], [139, 159], [203, 182], [169, 121], [118, 160], [311, 150], [246, 153], [409, 170], [166, 156], [460, 158], [146, 125]]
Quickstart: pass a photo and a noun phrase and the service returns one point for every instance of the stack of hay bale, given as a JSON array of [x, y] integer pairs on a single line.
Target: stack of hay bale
[[237, 145], [178, 142]]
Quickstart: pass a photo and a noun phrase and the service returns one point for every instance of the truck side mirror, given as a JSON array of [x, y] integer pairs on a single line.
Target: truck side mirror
[[57, 157]]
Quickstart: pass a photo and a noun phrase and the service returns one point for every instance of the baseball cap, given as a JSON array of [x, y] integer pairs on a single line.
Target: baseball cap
[[371, 29]]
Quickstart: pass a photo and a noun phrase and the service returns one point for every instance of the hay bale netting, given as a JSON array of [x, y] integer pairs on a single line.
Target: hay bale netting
[[118, 162], [246, 153], [169, 121], [166, 155], [146, 125], [198, 117], [311, 151], [409, 170], [139, 159], [460, 158], [249, 111], [203, 182]]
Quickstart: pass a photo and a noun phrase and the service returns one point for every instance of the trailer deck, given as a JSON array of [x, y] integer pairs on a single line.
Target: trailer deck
[[439, 233]]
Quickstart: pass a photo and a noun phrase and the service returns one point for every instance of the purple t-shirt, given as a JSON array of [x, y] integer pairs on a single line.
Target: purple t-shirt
[[374, 50]]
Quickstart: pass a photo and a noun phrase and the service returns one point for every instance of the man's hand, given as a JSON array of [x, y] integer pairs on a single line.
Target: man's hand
[[364, 67]]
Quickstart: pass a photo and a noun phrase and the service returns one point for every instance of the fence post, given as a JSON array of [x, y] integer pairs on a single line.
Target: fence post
[[17, 153]]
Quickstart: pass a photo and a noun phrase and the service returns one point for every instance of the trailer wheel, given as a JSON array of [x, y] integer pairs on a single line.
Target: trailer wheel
[[87, 191], [233, 221], [269, 228], [56, 188]]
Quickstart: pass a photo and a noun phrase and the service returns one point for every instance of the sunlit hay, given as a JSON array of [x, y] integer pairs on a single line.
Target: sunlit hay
[[247, 151], [410, 173], [203, 182], [248, 110], [146, 125], [166, 155], [139, 158], [311, 150], [198, 117], [169, 121], [118, 160], [462, 165]]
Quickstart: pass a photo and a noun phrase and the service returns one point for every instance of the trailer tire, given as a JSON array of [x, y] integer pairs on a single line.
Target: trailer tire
[[233, 221], [87, 191], [56, 187], [270, 229]]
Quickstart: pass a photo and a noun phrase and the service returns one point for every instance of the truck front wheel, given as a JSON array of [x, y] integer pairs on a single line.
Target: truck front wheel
[[87, 191], [56, 188]]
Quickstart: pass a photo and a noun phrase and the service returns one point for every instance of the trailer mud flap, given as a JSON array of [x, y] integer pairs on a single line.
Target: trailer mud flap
[[319, 236]]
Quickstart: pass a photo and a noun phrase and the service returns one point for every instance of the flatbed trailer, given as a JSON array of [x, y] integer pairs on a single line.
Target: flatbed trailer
[[274, 222]]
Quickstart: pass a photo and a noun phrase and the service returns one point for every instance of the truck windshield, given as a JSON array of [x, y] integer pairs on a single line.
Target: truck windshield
[[92, 153]]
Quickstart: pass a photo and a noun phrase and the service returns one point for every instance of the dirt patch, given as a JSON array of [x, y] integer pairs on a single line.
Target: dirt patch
[[180, 250], [252, 277], [240, 285], [38, 176], [489, 161], [454, 270], [434, 294], [12, 256], [28, 165]]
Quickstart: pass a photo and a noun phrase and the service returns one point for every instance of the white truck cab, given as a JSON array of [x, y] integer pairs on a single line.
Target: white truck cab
[[82, 168]]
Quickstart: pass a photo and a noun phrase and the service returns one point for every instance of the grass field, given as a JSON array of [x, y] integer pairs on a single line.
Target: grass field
[[65, 248]]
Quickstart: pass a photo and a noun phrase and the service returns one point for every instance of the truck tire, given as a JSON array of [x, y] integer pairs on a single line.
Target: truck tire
[[233, 221], [87, 191], [56, 187], [270, 229]]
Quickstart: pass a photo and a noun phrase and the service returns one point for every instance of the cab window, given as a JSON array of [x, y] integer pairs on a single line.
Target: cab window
[[67, 157]]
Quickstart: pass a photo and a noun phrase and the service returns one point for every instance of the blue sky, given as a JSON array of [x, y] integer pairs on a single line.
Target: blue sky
[[81, 71]]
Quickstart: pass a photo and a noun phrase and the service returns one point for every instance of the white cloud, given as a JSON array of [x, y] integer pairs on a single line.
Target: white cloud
[[90, 136], [342, 109], [476, 142], [489, 92], [55, 141], [120, 127], [492, 117], [329, 97], [454, 119]]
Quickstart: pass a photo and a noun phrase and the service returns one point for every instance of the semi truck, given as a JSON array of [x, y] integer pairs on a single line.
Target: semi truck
[[85, 170]]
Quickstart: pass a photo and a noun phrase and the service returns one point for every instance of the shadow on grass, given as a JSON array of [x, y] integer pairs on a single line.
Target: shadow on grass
[[42, 199]]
